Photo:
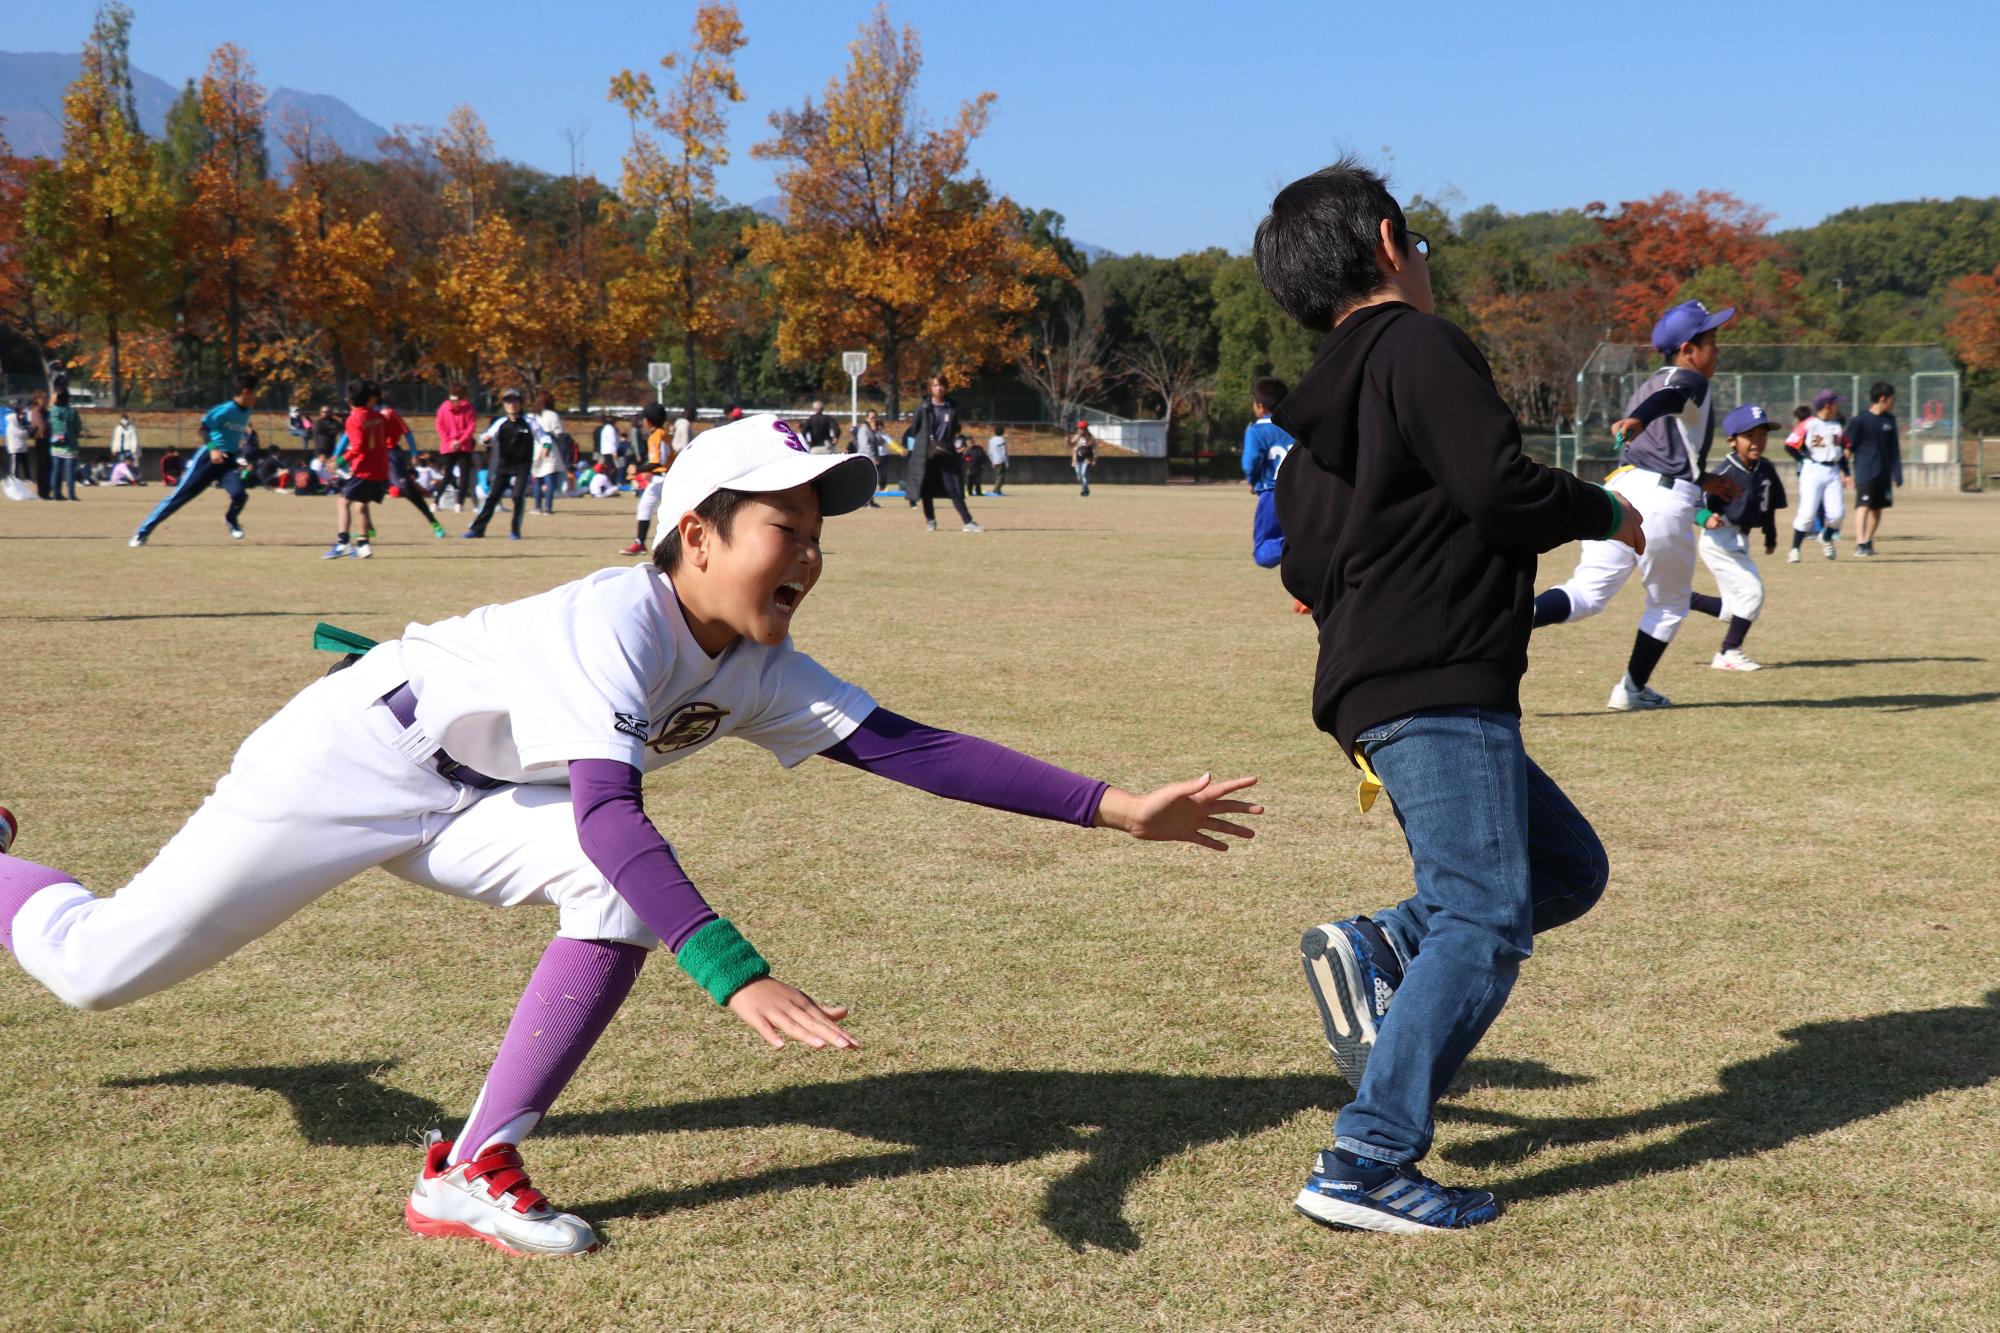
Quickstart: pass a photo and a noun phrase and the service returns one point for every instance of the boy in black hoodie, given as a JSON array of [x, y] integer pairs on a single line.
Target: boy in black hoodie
[[1413, 521]]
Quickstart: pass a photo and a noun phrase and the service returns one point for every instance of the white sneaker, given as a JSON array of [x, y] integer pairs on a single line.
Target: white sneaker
[[1629, 698], [235, 533], [1734, 660], [1827, 547], [930, 525], [490, 1199], [136, 541], [973, 527], [1792, 557], [363, 551]]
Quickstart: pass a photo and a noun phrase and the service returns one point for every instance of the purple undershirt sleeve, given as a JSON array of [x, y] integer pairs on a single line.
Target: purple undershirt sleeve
[[621, 842], [966, 768]]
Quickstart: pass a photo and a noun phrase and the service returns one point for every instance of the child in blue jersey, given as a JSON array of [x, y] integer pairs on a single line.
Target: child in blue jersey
[[213, 464], [1265, 445]]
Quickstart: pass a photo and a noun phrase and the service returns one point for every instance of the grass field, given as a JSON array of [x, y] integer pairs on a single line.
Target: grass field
[[1756, 1088]]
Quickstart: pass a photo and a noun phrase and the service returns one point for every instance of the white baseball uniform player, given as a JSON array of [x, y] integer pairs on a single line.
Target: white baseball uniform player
[[334, 784], [1822, 446]]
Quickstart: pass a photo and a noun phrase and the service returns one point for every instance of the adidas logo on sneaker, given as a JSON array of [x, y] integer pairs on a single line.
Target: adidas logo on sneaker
[[1384, 992]]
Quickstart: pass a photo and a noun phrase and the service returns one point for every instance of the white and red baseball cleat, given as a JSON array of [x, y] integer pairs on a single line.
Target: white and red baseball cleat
[[9, 828], [489, 1198], [634, 549]]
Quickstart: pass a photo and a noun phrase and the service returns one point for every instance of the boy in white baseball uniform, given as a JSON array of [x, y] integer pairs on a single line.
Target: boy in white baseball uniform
[[498, 755], [1725, 533], [1666, 433], [1822, 453]]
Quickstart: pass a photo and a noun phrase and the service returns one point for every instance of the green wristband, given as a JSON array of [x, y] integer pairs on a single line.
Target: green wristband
[[1617, 512], [720, 960], [1701, 517]]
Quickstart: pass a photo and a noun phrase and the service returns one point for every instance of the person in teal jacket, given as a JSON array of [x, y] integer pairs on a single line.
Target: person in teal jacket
[[214, 463]]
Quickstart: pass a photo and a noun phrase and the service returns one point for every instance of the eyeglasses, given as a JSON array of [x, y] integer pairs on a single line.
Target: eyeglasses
[[1420, 241]]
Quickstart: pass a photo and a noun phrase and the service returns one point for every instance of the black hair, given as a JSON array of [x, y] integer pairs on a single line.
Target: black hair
[[655, 415], [1801, 412], [1711, 335], [62, 397], [246, 382], [357, 392], [1316, 251], [1267, 391], [1879, 390], [718, 511]]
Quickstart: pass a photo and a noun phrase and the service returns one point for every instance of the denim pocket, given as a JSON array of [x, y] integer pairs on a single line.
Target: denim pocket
[[1382, 731]]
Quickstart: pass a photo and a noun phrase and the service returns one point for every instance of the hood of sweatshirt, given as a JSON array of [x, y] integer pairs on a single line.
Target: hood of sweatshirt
[[1323, 412]]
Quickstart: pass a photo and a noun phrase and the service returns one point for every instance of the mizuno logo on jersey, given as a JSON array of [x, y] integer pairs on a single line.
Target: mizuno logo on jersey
[[631, 724], [691, 724]]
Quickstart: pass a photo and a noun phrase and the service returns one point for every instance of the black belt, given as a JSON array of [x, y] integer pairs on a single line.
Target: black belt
[[1667, 479], [402, 705]]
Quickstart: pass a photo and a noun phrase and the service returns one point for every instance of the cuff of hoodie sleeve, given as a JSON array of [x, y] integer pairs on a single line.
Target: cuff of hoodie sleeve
[[1617, 513], [720, 960]]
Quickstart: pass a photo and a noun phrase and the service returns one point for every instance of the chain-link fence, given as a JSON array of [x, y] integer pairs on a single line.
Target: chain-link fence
[[1780, 376]]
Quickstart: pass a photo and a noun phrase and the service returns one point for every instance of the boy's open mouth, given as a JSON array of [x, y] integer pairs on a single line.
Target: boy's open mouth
[[789, 595]]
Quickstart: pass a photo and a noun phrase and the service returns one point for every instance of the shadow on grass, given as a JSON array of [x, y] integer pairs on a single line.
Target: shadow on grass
[[1125, 1124], [1885, 703], [1829, 662], [335, 1105], [1830, 1075]]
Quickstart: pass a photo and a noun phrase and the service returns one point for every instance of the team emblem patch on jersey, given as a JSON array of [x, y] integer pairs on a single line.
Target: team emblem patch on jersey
[[792, 440], [631, 724], [691, 724]]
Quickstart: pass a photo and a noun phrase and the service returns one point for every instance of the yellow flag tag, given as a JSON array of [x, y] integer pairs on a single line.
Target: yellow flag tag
[[1370, 786]]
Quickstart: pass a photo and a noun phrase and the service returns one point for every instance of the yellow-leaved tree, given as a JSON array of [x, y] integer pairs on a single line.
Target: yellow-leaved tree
[[224, 232], [672, 176], [99, 223], [333, 264], [473, 304], [887, 242]]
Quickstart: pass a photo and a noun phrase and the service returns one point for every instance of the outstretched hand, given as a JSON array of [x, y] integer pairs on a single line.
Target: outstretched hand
[[1180, 812], [778, 1011]]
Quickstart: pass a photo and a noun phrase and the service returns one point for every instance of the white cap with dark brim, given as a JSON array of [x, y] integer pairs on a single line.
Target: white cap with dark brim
[[760, 453]]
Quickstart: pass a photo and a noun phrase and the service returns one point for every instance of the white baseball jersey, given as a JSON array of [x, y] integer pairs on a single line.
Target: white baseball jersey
[[606, 668], [1822, 441]]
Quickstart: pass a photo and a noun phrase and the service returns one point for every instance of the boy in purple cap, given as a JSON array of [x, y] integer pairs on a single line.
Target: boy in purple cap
[[1666, 433], [1822, 452]]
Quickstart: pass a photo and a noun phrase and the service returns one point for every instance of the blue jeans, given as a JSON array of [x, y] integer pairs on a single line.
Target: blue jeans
[[62, 472], [202, 472], [545, 492], [1500, 856]]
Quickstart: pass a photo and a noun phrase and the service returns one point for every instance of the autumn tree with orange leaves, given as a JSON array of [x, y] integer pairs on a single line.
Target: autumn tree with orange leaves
[[887, 243], [224, 226], [99, 222], [472, 303], [1974, 328], [332, 263], [25, 310], [673, 176], [1655, 252]]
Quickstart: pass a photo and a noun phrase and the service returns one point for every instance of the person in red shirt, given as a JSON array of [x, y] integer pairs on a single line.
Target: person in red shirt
[[402, 442], [457, 423], [367, 459]]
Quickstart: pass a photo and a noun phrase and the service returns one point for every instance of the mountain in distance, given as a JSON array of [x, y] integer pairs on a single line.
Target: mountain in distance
[[32, 84]]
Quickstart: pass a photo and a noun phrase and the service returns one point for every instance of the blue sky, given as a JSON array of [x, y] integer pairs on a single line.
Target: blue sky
[[1167, 126]]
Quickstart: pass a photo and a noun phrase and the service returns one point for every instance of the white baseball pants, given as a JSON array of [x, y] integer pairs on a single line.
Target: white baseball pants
[[1726, 552], [1819, 493], [1667, 567], [315, 796], [649, 499]]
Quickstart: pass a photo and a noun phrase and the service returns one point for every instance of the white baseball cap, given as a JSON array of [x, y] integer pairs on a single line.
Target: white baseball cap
[[760, 453]]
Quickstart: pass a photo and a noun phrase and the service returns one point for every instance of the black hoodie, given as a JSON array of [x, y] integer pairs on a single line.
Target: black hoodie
[[1412, 521]]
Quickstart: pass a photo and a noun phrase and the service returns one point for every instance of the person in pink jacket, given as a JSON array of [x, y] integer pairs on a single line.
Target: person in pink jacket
[[457, 424]]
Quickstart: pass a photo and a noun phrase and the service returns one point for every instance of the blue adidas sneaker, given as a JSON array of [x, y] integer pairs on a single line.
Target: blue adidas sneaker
[[1379, 1196], [1353, 972]]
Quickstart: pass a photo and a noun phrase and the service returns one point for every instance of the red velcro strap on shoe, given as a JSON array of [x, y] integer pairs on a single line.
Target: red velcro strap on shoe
[[501, 1169]]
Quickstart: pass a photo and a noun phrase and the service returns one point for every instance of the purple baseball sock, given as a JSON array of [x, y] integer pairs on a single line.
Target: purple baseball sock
[[577, 987], [19, 881]]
